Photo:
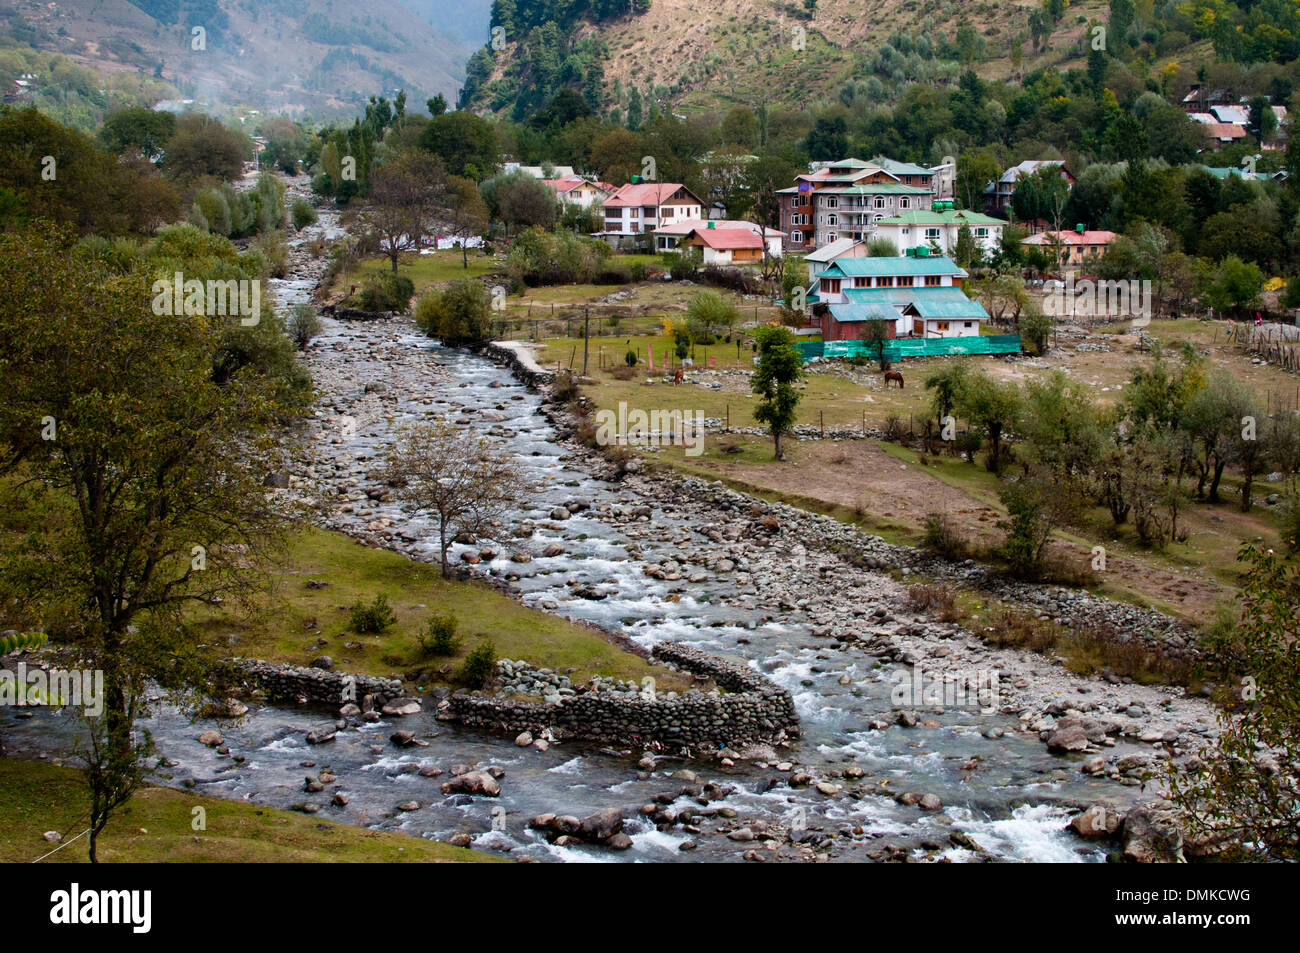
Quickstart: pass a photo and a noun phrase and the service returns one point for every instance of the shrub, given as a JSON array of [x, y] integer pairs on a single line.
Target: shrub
[[304, 214], [373, 618], [479, 665], [459, 314], [303, 324], [943, 537], [439, 636], [630, 358], [938, 597], [385, 291]]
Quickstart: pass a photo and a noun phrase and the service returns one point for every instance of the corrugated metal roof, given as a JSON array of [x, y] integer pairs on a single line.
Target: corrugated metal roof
[[890, 265]]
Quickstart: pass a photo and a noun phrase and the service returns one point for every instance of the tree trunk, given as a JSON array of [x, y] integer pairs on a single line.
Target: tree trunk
[[1246, 488], [442, 536], [776, 436], [1218, 475]]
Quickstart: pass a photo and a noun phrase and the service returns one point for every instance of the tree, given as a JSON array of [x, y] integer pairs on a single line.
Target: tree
[[975, 170], [458, 314], [1213, 415], [521, 201], [465, 143], [762, 179], [462, 480], [877, 333], [286, 145], [468, 211], [1041, 195], [709, 310], [1036, 504], [993, 406], [145, 129], [947, 385], [203, 146], [1243, 793], [137, 482], [404, 193], [780, 366], [437, 105]]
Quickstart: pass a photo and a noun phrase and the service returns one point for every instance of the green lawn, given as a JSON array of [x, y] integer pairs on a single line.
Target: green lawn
[[300, 623], [155, 827]]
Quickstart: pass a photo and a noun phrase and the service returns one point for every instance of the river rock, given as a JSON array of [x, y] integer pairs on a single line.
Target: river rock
[[210, 738], [472, 782], [1096, 822], [602, 825], [400, 707], [1152, 834]]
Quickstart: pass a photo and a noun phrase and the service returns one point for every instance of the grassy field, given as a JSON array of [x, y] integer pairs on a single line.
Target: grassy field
[[155, 827], [300, 623], [863, 481]]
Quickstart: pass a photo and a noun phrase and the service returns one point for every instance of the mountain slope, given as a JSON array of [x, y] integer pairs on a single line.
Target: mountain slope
[[322, 56]]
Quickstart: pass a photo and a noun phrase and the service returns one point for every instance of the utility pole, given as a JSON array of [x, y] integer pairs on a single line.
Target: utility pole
[[586, 336]]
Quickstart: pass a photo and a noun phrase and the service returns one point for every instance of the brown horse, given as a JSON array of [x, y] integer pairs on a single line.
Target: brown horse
[[893, 376], [678, 377]]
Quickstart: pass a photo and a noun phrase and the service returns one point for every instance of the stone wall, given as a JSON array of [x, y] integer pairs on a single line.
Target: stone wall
[[753, 711], [314, 684]]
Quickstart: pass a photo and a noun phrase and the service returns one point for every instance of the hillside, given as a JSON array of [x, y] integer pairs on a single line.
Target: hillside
[[688, 55], [291, 56]]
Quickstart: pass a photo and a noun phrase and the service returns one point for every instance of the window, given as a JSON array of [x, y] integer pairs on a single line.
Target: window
[[796, 237], [636, 213], [968, 324], [905, 281], [942, 325], [932, 234], [832, 202], [879, 202], [981, 233], [932, 281], [832, 219], [885, 281], [831, 285], [907, 231], [904, 203], [862, 282], [801, 200], [831, 236]]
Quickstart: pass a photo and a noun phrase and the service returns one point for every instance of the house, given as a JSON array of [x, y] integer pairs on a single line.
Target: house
[[575, 190], [997, 194], [939, 227], [1199, 99], [917, 270], [726, 246], [843, 199], [907, 312], [818, 259], [1225, 133], [672, 236], [1074, 248], [640, 207]]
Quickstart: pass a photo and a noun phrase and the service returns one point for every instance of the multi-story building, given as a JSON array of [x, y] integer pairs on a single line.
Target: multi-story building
[[844, 199], [937, 228], [641, 207]]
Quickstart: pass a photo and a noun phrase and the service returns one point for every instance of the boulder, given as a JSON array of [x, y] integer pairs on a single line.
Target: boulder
[[1152, 834], [600, 826], [400, 707], [472, 782], [211, 738], [1097, 821]]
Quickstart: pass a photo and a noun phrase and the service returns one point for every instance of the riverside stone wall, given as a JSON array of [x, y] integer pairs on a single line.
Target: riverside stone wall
[[753, 711], [314, 684]]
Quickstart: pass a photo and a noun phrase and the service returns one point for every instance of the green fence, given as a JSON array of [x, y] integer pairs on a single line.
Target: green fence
[[900, 348]]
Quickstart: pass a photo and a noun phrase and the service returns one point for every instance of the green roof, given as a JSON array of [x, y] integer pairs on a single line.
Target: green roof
[[900, 168], [951, 217], [889, 265], [874, 304]]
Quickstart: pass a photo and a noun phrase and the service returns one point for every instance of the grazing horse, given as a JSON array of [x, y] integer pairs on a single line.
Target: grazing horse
[[893, 376], [678, 377]]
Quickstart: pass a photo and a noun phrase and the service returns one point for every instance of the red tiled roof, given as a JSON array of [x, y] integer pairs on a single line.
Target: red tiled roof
[[644, 193], [728, 239], [1091, 237], [1224, 130]]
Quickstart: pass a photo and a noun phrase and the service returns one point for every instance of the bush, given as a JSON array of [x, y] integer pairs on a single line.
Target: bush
[[741, 280], [939, 597], [630, 358], [943, 537], [371, 619], [457, 315], [479, 665], [303, 324], [439, 636], [385, 291], [304, 214]]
